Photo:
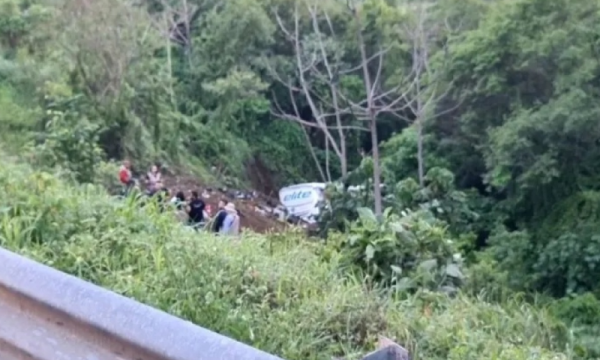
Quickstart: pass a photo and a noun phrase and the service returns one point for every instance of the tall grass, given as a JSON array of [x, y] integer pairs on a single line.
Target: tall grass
[[273, 292]]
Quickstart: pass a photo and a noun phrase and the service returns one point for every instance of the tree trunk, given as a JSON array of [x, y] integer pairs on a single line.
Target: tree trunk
[[327, 165], [312, 153], [376, 168], [343, 150], [344, 157], [420, 159], [170, 65]]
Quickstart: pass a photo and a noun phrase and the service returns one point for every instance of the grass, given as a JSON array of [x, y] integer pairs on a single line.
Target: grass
[[273, 292]]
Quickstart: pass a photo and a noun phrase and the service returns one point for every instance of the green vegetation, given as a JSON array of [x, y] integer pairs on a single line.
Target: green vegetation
[[478, 118], [279, 293]]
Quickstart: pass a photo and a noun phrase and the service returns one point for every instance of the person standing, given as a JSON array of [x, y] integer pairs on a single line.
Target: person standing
[[125, 176], [196, 210], [154, 178], [220, 217], [231, 223]]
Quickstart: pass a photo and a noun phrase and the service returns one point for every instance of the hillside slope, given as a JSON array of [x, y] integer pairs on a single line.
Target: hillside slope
[[274, 292], [251, 214]]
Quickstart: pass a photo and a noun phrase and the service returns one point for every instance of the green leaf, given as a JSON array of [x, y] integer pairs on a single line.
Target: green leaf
[[453, 270], [370, 252], [352, 240], [397, 227], [404, 284], [366, 215], [429, 264], [387, 212], [396, 269]]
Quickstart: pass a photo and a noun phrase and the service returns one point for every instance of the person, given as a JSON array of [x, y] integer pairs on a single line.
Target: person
[[231, 224], [125, 176], [154, 178], [125, 173], [179, 200], [196, 210], [221, 214]]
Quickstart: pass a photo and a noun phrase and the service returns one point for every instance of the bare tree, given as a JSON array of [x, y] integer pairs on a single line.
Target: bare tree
[[178, 16], [313, 64], [428, 84], [380, 97]]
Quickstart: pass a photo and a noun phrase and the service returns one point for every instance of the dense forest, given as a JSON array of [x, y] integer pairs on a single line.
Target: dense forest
[[471, 124]]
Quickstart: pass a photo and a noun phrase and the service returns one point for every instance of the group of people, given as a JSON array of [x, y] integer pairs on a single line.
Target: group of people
[[194, 211], [153, 179]]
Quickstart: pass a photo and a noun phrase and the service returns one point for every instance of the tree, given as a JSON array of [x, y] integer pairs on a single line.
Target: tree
[[428, 86], [174, 23], [106, 40], [317, 66], [109, 48], [379, 97], [325, 66]]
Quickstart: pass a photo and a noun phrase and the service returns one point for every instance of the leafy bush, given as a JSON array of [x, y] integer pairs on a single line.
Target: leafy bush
[[70, 143], [107, 176], [582, 312], [399, 155], [487, 280], [561, 256], [512, 252], [439, 196], [276, 295], [411, 250], [17, 120]]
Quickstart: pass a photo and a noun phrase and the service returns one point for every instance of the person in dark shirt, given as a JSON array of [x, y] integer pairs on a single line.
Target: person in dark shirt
[[196, 210], [221, 215]]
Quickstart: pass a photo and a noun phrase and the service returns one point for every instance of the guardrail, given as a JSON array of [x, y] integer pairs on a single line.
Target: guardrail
[[48, 315]]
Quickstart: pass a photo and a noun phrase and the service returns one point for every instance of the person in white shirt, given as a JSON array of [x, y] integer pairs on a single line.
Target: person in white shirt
[[154, 178], [231, 223]]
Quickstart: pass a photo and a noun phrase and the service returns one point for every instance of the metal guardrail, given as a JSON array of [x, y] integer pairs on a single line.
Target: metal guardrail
[[48, 315]]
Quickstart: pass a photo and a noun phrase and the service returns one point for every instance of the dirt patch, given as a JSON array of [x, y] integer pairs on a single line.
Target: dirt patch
[[260, 177], [250, 214]]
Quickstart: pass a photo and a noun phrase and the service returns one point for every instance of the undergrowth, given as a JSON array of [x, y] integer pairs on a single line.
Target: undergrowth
[[274, 292]]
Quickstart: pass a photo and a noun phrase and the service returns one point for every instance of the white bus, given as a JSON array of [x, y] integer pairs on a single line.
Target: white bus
[[302, 200]]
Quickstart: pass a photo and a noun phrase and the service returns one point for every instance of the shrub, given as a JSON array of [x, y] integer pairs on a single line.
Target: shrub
[[107, 175], [71, 144], [439, 196], [582, 312], [276, 295], [410, 251]]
